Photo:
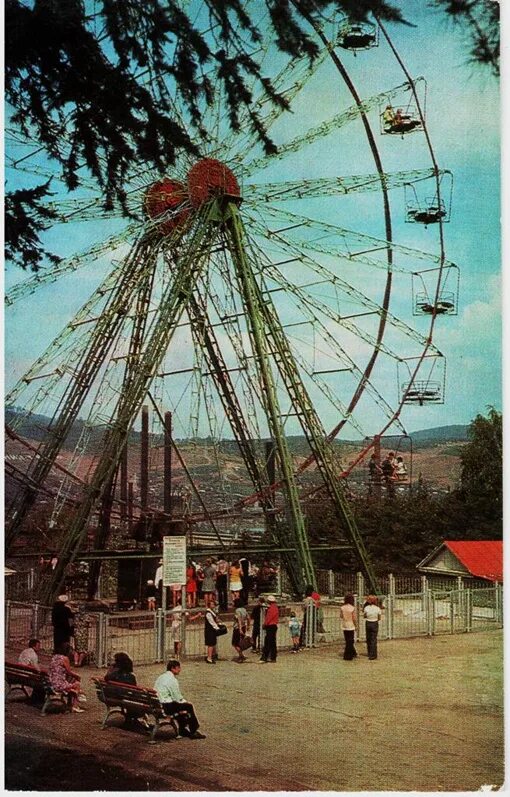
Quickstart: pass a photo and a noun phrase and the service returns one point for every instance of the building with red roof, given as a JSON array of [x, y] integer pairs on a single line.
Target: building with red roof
[[470, 559]]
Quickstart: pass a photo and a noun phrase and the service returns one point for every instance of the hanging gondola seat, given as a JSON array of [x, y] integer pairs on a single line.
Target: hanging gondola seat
[[430, 215], [355, 40], [402, 125]]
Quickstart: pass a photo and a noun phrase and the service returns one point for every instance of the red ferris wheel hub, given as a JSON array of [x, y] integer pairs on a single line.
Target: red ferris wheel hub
[[209, 178], [163, 196]]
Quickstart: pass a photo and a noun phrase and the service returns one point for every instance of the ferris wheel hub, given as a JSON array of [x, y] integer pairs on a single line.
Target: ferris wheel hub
[[209, 178], [163, 196]]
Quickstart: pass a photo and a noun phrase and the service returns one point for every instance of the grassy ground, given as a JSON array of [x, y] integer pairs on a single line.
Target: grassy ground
[[426, 716]]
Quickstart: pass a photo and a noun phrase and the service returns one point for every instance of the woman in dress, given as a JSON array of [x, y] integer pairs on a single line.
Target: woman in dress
[[348, 619], [62, 678], [240, 628], [121, 672], [211, 629], [235, 579], [81, 653], [209, 584], [191, 586]]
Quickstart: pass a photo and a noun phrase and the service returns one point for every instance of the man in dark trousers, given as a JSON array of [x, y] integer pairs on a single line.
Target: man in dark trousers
[[270, 627], [245, 579], [62, 619], [170, 697], [256, 614]]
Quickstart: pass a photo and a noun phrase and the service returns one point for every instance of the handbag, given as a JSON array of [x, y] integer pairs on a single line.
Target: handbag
[[245, 642], [222, 629]]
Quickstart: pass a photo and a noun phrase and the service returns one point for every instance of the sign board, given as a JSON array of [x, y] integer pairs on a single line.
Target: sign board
[[174, 560]]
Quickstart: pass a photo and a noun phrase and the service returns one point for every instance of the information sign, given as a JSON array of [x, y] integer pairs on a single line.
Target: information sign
[[174, 560]]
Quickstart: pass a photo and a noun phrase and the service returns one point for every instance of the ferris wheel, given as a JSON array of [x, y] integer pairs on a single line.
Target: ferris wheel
[[256, 295]]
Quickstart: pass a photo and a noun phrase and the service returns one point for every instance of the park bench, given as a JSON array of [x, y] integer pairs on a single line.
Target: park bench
[[136, 700], [22, 676]]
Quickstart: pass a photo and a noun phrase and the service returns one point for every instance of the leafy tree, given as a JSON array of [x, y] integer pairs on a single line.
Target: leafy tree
[[482, 467]]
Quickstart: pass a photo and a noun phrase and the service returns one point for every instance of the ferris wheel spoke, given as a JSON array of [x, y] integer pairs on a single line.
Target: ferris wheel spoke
[[49, 365], [68, 265], [349, 238], [332, 186], [306, 311], [324, 128], [349, 291]]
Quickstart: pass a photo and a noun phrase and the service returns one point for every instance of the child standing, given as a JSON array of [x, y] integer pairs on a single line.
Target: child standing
[[294, 630], [150, 595]]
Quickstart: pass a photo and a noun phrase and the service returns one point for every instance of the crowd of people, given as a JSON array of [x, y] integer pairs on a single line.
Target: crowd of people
[[215, 583], [246, 634]]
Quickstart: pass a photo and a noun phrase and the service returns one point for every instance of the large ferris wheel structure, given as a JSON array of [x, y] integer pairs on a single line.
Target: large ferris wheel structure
[[249, 313]]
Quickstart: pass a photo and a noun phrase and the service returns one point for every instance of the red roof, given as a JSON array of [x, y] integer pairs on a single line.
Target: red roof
[[482, 558]]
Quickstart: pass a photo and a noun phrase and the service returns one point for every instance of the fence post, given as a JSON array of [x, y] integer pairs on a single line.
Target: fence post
[[31, 579], [431, 613], [7, 622], [424, 593], [311, 625], [499, 603], [360, 585], [452, 610], [101, 639], [35, 619], [331, 584], [390, 608], [159, 636], [468, 610]]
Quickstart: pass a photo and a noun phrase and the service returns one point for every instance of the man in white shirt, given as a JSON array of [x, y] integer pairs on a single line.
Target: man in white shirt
[[170, 697], [29, 658]]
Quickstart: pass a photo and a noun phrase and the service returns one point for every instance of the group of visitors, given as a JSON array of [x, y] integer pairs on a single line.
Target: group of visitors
[[390, 471], [216, 582], [243, 623], [372, 615], [246, 634], [60, 675]]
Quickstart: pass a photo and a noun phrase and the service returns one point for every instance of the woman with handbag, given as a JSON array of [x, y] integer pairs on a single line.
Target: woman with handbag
[[212, 629], [240, 640]]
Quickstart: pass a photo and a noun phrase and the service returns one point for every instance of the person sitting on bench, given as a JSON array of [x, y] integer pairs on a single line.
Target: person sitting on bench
[[121, 672], [173, 703], [29, 658]]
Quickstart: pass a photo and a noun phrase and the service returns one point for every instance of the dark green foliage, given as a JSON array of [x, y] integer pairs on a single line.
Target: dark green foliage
[[482, 467], [25, 217], [479, 21]]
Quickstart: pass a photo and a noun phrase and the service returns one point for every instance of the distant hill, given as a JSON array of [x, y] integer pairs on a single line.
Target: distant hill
[[424, 438]]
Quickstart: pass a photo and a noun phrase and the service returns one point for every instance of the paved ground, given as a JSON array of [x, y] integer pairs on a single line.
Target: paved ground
[[426, 716]]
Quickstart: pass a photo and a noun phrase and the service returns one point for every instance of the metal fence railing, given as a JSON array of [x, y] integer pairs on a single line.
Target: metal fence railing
[[149, 637]]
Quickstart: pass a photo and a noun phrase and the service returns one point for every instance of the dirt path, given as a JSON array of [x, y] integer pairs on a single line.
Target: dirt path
[[426, 716]]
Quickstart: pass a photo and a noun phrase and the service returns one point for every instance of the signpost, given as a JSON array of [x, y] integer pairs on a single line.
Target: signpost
[[174, 561], [174, 565]]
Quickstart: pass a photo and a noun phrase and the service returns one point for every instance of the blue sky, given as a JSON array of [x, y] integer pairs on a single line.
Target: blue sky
[[463, 121]]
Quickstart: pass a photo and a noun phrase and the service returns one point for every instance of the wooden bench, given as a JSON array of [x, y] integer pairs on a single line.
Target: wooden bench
[[22, 676], [137, 701]]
